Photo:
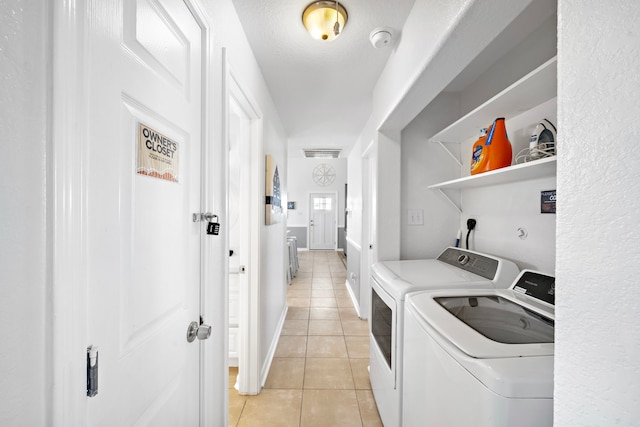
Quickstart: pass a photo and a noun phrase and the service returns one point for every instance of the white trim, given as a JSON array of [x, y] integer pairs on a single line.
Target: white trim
[[208, 391], [354, 300], [68, 192], [266, 366], [368, 151], [249, 316], [354, 244], [367, 255]]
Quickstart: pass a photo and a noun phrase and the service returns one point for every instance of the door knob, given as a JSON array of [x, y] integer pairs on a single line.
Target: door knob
[[202, 332]]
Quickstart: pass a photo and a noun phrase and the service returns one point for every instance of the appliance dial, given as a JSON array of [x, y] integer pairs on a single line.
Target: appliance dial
[[464, 259]]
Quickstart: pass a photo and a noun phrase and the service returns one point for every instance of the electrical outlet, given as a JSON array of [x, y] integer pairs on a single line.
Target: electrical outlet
[[415, 217], [475, 217]]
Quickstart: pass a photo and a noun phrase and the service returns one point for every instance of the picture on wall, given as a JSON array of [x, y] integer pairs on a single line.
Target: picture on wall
[[273, 211]]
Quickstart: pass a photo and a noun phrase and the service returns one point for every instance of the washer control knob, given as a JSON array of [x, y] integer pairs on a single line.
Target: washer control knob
[[464, 259]]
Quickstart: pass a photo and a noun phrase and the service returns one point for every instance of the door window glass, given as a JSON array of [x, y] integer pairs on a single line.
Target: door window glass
[[322, 203]]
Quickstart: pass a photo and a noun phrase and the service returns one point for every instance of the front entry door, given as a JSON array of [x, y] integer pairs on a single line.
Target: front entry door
[[322, 221], [143, 249]]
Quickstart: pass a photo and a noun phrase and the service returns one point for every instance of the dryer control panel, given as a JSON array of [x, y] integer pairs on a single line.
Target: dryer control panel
[[473, 262]]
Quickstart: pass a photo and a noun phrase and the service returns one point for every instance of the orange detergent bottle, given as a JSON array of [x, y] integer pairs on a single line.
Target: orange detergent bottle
[[492, 151]]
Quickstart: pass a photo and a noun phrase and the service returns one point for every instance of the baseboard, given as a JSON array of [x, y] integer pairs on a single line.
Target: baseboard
[[272, 348], [354, 301]]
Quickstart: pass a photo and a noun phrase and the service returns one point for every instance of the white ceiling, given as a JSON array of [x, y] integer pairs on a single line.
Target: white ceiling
[[322, 90]]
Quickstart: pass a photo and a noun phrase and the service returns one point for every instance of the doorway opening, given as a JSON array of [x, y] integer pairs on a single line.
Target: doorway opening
[[244, 159]]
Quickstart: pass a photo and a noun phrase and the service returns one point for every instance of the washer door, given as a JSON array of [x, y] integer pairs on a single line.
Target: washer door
[[500, 319], [486, 324]]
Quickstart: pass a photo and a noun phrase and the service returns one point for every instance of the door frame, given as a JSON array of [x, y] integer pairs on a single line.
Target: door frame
[[249, 298], [335, 217], [369, 254], [67, 220]]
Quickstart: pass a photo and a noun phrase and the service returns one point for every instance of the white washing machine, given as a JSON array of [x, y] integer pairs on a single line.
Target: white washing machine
[[480, 357], [391, 281]]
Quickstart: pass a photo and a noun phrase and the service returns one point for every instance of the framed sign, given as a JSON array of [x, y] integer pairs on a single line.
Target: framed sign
[[548, 201], [273, 210], [158, 155]]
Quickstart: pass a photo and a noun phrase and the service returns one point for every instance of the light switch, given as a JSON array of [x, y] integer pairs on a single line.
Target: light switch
[[415, 217]]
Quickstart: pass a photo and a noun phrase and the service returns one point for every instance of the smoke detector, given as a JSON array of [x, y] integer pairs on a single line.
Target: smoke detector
[[381, 37]]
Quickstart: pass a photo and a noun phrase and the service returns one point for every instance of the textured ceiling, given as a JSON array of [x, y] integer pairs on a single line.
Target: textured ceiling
[[322, 90]]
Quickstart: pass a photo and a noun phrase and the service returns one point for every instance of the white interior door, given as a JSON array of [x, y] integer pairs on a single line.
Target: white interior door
[[143, 185], [322, 221], [245, 192]]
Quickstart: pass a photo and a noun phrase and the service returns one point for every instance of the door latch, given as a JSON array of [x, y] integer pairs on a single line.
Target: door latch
[[213, 226], [92, 371]]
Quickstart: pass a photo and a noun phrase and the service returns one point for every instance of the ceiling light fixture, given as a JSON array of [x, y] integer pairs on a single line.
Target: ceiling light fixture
[[323, 153], [324, 20]]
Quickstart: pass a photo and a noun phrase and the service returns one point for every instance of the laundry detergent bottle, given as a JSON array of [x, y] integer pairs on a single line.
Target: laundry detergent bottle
[[492, 151], [478, 152]]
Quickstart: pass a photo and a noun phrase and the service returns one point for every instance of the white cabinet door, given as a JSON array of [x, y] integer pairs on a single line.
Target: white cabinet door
[[144, 66], [322, 221]]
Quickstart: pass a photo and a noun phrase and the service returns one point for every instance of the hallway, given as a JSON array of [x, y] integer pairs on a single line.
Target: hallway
[[319, 374]]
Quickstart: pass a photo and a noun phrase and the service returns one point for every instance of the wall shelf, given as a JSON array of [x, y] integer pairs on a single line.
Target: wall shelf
[[515, 102], [522, 172], [530, 91]]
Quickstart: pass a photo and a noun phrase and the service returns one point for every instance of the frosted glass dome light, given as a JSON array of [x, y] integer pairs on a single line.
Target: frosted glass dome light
[[324, 20]]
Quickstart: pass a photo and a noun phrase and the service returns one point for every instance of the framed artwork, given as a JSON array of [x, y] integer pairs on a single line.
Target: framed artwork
[[291, 205], [273, 209], [323, 175]]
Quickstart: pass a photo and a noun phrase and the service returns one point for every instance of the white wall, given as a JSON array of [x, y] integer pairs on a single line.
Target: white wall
[[228, 33], [597, 372], [423, 164], [534, 49], [24, 299], [301, 184]]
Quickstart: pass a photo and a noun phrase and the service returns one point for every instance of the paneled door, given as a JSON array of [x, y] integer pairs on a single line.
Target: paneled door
[[143, 245], [322, 221]]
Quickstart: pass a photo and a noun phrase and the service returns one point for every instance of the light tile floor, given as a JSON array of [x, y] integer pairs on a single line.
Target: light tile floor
[[319, 374]]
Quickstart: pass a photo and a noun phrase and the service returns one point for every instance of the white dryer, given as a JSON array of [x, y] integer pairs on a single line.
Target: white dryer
[[480, 357], [391, 281]]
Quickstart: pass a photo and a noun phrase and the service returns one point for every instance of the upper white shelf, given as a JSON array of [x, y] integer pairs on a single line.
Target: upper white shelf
[[522, 172], [530, 91]]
